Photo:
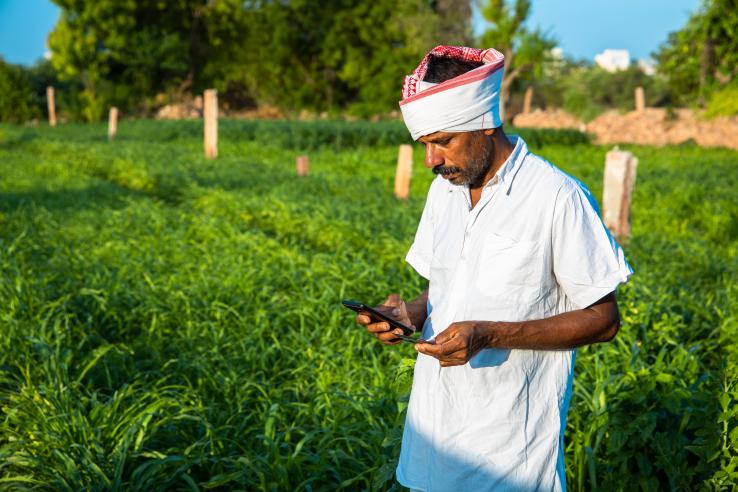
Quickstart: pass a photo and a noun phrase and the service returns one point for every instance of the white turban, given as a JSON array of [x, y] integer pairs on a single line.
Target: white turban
[[468, 102]]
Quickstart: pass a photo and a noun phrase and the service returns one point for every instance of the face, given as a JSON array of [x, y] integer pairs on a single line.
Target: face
[[463, 158]]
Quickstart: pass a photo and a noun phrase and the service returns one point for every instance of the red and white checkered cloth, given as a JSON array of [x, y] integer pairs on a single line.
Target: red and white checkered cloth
[[464, 53], [464, 103]]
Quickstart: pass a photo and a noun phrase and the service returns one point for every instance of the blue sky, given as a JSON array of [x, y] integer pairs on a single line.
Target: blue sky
[[582, 27], [24, 25]]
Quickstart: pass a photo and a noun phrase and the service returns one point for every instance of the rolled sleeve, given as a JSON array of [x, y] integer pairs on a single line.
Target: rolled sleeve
[[587, 261]]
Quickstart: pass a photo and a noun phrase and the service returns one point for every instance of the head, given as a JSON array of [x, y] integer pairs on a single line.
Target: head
[[464, 158]]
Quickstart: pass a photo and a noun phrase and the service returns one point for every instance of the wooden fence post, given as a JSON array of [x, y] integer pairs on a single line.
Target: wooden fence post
[[112, 123], [51, 105], [528, 100], [404, 171], [620, 176], [640, 99], [210, 115], [303, 165]]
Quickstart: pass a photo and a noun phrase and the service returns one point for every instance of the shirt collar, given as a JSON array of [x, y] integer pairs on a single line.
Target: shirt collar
[[509, 169]]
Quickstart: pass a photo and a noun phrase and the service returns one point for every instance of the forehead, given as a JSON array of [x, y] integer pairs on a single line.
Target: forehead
[[436, 136]]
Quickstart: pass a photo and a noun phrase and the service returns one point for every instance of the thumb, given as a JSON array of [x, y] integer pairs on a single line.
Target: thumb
[[402, 309], [446, 335], [396, 302], [393, 300]]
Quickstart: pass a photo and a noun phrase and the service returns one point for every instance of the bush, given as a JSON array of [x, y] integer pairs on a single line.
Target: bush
[[723, 102], [587, 92], [17, 103], [309, 135]]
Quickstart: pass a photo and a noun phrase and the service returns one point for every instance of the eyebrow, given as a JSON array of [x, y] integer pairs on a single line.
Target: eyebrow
[[437, 139]]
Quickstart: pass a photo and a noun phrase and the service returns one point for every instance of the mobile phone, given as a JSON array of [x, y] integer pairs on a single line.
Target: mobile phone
[[360, 307]]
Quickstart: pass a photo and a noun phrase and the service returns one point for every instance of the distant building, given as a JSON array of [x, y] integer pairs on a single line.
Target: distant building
[[554, 63], [647, 66], [557, 53], [613, 60]]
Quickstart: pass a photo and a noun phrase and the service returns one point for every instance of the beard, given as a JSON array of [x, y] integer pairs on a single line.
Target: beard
[[475, 168]]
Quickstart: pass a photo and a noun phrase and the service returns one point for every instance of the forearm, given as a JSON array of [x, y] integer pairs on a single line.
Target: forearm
[[417, 310], [597, 323]]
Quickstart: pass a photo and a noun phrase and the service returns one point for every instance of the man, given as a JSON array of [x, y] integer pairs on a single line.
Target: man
[[521, 271]]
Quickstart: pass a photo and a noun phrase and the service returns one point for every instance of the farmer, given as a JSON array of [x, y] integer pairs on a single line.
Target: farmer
[[521, 271]]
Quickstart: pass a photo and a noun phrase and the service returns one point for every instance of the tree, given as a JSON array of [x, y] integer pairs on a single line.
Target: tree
[[284, 62], [454, 21], [17, 103], [525, 51], [294, 54], [703, 55], [374, 45], [123, 52], [587, 90], [336, 54]]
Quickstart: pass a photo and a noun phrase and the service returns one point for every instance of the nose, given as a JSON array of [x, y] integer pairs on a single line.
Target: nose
[[433, 156]]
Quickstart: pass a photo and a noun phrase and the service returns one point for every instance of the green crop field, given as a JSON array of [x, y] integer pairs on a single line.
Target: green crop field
[[173, 323]]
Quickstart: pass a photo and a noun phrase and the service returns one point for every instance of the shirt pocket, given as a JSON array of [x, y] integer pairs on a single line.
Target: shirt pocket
[[509, 271]]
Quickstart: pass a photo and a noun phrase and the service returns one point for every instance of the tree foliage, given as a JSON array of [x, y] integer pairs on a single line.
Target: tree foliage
[[17, 103], [703, 56], [298, 54], [123, 51], [375, 45], [723, 102], [588, 91], [342, 54], [525, 50]]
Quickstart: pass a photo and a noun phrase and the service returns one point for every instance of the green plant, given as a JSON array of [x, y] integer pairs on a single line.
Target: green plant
[[17, 104], [171, 322], [723, 102]]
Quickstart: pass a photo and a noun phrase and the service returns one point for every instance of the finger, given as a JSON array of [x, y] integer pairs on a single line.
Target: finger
[[389, 336], [459, 357], [451, 363], [443, 339], [456, 358], [439, 350], [446, 335], [363, 319], [378, 327], [400, 311], [428, 349], [393, 300]]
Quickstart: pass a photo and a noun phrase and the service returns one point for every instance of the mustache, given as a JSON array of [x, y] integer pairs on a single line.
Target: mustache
[[441, 169]]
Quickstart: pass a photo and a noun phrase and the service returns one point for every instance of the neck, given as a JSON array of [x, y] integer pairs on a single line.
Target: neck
[[502, 148]]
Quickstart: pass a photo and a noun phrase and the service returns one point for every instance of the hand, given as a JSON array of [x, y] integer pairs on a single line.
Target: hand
[[456, 344], [394, 307]]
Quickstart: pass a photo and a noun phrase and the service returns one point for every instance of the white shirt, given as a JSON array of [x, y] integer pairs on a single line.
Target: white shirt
[[533, 247]]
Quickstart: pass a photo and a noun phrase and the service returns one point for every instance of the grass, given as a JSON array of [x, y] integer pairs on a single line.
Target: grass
[[174, 323]]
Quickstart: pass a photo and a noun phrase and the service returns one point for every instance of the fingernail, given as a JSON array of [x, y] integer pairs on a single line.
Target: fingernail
[[395, 311]]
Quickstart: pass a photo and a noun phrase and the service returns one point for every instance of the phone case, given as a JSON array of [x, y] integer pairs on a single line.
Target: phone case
[[361, 307]]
